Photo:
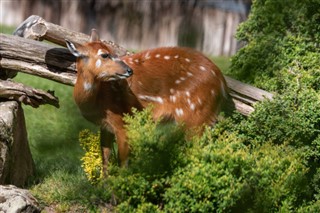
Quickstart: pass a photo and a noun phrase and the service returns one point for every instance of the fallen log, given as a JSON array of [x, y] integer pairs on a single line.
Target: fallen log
[[36, 28], [37, 58], [57, 64]]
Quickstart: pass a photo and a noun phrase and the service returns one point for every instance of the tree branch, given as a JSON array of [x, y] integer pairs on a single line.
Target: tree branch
[[34, 97]]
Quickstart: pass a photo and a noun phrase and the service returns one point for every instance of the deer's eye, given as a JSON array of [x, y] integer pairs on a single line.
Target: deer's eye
[[105, 55]]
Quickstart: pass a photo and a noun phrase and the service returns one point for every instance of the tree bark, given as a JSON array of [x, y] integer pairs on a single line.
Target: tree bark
[[57, 64], [34, 97], [37, 28], [37, 58]]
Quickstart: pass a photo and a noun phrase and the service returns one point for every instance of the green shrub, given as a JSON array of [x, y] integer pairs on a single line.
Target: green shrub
[[278, 36], [228, 169], [292, 118], [156, 149], [225, 175]]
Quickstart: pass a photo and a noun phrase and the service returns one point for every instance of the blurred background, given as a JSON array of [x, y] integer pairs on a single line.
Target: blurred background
[[206, 25]]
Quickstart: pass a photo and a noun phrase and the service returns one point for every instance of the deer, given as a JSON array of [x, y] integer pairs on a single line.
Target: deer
[[181, 84]]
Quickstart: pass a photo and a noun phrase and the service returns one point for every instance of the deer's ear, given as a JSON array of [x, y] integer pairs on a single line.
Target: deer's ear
[[94, 35], [73, 49]]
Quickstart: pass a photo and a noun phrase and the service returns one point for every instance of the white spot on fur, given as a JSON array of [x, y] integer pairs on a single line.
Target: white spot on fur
[[179, 111], [187, 93], [202, 68], [136, 60], [189, 74], [98, 63], [182, 78], [213, 92], [173, 98], [87, 86], [176, 56], [213, 73], [177, 81], [166, 57], [171, 91], [187, 60], [157, 56], [199, 101], [151, 98], [147, 55], [192, 106]]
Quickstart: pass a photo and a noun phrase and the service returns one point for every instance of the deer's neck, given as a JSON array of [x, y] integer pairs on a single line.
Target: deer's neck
[[85, 94]]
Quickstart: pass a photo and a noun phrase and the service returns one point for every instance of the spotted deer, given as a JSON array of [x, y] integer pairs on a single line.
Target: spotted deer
[[182, 84]]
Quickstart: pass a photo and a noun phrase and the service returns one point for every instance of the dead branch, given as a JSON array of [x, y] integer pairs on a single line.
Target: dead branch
[[34, 97]]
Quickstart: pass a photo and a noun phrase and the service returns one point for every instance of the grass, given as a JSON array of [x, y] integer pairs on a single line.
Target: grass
[[6, 29], [53, 139], [53, 133], [223, 62]]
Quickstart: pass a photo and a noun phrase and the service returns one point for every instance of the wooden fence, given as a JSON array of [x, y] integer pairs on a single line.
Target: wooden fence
[[57, 64]]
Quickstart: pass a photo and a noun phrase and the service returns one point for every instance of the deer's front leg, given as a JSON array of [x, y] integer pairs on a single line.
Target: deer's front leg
[[123, 147], [106, 143]]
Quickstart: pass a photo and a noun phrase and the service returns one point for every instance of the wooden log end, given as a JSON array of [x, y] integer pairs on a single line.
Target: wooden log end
[[32, 23]]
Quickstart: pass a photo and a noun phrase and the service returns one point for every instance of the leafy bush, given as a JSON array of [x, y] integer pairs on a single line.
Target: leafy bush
[[292, 118], [226, 176], [236, 166], [279, 35], [156, 149]]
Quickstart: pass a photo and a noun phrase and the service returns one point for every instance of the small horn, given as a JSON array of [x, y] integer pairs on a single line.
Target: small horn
[[94, 35]]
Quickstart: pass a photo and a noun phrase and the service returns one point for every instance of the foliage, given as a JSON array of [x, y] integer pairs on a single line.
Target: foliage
[[292, 118], [92, 159], [239, 165], [279, 36], [156, 149], [226, 176]]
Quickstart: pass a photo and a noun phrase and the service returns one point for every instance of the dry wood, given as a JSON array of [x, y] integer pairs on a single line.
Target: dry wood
[[34, 97], [245, 96], [37, 28], [57, 64], [37, 58]]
